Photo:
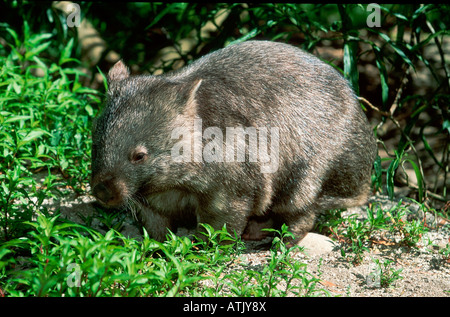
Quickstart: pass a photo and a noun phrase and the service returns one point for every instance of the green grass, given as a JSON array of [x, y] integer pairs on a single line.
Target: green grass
[[45, 126], [66, 259]]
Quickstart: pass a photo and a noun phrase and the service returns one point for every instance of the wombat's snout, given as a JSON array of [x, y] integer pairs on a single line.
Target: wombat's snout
[[109, 192], [102, 193]]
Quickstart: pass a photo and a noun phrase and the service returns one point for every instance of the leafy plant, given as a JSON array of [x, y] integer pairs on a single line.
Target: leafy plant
[[357, 235], [281, 269], [445, 253], [410, 232], [45, 115], [66, 259], [387, 274]]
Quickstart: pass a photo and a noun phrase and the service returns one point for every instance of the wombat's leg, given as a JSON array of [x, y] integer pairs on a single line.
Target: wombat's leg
[[254, 232], [234, 225], [299, 221], [301, 225], [224, 210], [155, 224]]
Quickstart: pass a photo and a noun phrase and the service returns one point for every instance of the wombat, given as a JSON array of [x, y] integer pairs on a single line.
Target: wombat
[[256, 134]]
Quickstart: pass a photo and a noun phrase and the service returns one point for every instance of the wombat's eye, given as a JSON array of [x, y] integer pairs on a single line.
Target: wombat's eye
[[139, 155]]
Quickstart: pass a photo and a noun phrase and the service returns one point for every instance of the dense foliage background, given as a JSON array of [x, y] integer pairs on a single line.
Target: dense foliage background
[[52, 86]]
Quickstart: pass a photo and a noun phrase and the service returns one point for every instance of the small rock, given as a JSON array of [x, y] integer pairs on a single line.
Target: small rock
[[317, 244]]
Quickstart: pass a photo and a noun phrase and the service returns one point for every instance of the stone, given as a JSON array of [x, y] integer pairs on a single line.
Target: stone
[[317, 244]]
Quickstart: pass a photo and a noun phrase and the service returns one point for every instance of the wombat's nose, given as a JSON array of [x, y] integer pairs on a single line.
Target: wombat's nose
[[102, 193]]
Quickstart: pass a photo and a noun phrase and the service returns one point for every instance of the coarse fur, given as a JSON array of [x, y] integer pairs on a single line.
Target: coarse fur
[[326, 146]]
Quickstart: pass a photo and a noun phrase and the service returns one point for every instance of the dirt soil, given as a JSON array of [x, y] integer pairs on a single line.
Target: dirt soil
[[422, 274], [422, 271]]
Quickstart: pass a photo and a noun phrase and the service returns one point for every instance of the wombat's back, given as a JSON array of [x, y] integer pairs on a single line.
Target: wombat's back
[[326, 144]]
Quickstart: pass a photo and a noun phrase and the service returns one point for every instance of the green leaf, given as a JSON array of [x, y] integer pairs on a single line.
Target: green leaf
[[34, 134], [35, 39], [15, 37], [402, 54], [162, 14], [36, 50], [423, 43], [66, 52], [246, 37], [105, 80], [390, 177], [428, 147], [419, 178], [446, 125], [89, 110], [26, 31], [16, 118], [17, 88], [397, 15], [395, 46], [379, 59], [350, 65], [420, 10]]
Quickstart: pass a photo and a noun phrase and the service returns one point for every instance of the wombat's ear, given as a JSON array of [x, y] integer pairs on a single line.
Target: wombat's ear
[[191, 104], [118, 72]]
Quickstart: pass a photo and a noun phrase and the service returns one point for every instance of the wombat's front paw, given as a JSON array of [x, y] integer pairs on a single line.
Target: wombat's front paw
[[155, 224], [254, 230]]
